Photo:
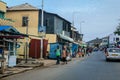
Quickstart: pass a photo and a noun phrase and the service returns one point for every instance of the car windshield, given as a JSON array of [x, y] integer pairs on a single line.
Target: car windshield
[[114, 50]]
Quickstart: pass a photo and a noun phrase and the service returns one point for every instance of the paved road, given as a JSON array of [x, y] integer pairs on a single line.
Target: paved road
[[93, 67]]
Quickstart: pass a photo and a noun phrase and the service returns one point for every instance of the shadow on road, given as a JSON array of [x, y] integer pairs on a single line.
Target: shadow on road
[[115, 61]]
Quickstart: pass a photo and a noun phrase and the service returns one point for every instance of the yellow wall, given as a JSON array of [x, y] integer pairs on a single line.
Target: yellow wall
[[52, 38], [16, 16], [6, 22], [32, 24], [2, 6]]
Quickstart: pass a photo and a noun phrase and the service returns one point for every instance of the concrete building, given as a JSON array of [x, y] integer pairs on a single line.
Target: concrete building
[[3, 19], [8, 37], [58, 27], [24, 15], [28, 18]]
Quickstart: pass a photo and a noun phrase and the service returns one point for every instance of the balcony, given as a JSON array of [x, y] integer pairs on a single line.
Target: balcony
[[65, 33]]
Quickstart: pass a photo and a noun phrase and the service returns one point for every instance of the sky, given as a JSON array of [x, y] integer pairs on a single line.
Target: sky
[[98, 18]]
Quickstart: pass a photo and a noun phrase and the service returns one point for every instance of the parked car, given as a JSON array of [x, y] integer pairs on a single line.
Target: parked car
[[112, 54]]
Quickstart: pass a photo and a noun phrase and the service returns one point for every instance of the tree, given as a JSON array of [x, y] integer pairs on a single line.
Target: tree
[[117, 31]]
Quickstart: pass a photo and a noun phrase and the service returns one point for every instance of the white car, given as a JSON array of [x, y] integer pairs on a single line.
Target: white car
[[112, 53]]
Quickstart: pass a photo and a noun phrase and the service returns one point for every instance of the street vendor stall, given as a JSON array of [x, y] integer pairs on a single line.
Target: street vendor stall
[[8, 43]]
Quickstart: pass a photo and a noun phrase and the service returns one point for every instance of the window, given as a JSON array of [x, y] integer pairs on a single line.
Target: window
[[1, 15], [24, 21], [47, 22], [117, 39], [114, 50]]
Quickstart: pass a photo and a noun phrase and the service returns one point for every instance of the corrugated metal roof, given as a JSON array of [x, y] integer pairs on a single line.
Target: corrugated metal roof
[[2, 28], [25, 6], [8, 29], [11, 30], [66, 38]]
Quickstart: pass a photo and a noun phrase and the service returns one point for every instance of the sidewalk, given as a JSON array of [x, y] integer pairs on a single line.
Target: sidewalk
[[22, 67]]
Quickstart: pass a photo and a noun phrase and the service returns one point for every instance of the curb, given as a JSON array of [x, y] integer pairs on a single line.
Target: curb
[[11, 73]]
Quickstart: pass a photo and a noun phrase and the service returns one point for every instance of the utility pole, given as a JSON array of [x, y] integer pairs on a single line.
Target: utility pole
[[42, 19], [26, 58], [80, 31]]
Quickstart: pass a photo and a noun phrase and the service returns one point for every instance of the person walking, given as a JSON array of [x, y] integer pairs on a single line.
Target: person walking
[[58, 55], [79, 51], [87, 51], [64, 55]]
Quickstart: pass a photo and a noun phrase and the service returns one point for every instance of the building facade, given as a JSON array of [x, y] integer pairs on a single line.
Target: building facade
[[8, 37], [26, 19], [24, 15], [3, 19], [56, 26]]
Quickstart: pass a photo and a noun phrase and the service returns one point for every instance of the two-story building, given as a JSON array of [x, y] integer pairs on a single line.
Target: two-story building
[[76, 35], [3, 19], [58, 27], [26, 20], [58, 31]]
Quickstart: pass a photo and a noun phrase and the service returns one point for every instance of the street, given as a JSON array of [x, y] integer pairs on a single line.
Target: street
[[93, 67]]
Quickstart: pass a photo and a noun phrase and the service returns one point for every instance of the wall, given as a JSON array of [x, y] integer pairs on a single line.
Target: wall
[[58, 25], [32, 24], [2, 6], [112, 38], [52, 38], [3, 20], [49, 23], [6, 22]]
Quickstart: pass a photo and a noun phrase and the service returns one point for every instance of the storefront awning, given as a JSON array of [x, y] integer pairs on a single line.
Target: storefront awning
[[11, 30], [66, 38], [8, 28]]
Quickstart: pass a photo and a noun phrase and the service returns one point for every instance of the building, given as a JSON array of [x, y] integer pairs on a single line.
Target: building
[[27, 16], [3, 19], [105, 42], [94, 43], [56, 29], [114, 40], [8, 37], [27, 22], [56, 26]]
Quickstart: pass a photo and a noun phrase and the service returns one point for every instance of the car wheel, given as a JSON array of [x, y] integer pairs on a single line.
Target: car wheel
[[107, 59]]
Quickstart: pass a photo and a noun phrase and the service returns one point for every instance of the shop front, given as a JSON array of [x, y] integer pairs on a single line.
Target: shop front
[[8, 44]]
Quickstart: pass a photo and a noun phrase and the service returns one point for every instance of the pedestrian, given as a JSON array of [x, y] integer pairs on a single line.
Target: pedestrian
[[57, 52], [83, 51], [79, 51], [87, 51], [64, 55]]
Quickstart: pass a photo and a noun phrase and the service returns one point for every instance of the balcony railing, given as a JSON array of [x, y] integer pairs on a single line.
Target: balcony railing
[[65, 33]]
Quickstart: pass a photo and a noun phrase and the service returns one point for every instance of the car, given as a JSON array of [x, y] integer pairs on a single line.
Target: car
[[112, 54], [95, 49]]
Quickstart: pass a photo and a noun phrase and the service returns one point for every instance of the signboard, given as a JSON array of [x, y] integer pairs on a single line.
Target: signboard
[[12, 61], [42, 31]]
